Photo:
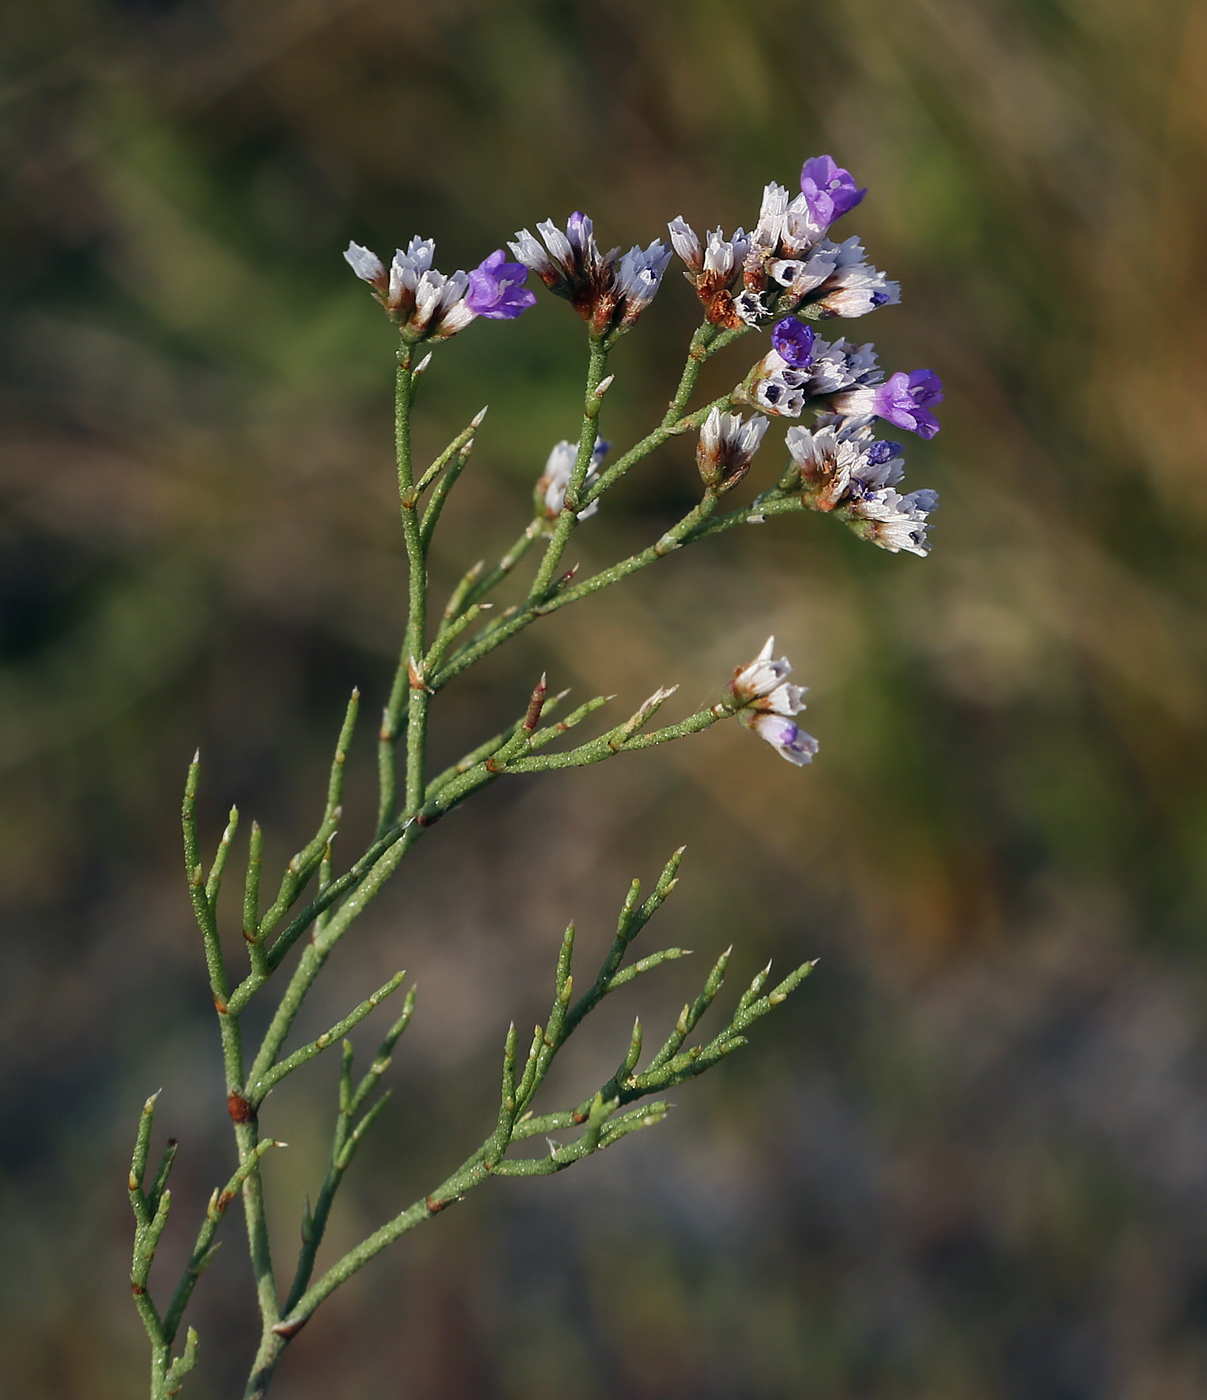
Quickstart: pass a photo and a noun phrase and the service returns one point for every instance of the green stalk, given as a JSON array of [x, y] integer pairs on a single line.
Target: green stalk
[[600, 1129], [241, 1112], [415, 641], [704, 345], [566, 521]]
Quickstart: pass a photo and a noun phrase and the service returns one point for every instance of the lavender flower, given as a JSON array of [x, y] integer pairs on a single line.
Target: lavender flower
[[793, 341], [425, 304], [904, 401], [800, 275], [829, 191], [551, 487], [787, 245], [570, 264], [496, 289], [767, 703], [749, 309], [845, 470], [726, 448], [840, 365], [607, 295], [713, 270], [840, 460]]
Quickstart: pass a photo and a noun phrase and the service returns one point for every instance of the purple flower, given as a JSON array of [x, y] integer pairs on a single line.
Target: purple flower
[[904, 401], [794, 341], [496, 288], [785, 736], [829, 190]]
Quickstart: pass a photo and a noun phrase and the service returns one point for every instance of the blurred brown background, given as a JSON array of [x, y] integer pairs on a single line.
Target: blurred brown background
[[969, 1162]]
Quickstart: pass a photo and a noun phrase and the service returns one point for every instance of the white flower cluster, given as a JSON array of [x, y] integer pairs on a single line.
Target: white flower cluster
[[843, 468], [552, 484], [609, 291], [782, 390], [768, 701], [425, 303], [788, 247], [727, 446]]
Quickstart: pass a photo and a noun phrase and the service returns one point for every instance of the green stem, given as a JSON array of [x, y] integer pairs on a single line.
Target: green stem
[[412, 645], [507, 627], [706, 342], [415, 642], [568, 518], [247, 1140], [595, 1115]]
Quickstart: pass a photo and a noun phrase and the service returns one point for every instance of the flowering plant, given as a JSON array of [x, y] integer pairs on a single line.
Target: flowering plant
[[786, 275]]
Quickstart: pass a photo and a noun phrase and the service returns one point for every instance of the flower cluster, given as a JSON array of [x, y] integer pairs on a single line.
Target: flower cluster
[[609, 291], [551, 486], [844, 469], [426, 304], [800, 366], [714, 270], [727, 447], [767, 703], [787, 263]]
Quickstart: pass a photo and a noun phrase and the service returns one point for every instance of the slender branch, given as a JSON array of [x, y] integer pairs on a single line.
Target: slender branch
[[346, 1139], [205, 1248], [458, 451], [566, 521], [251, 905], [600, 1128], [706, 342], [479, 587], [260, 1085], [214, 883]]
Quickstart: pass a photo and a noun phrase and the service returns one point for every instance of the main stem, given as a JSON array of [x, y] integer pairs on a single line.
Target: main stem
[[415, 641]]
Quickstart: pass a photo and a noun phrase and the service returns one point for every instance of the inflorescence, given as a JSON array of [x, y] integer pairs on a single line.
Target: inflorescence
[[786, 276], [787, 273]]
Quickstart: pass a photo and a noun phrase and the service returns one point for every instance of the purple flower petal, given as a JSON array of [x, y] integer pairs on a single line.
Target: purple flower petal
[[794, 341], [904, 401], [829, 190], [496, 288], [788, 739]]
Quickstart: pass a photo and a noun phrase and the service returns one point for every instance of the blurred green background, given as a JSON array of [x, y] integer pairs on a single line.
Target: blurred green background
[[969, 1162]]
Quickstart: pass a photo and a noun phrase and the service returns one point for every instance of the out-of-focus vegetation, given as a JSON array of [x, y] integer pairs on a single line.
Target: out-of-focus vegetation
[[971, 1163]]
